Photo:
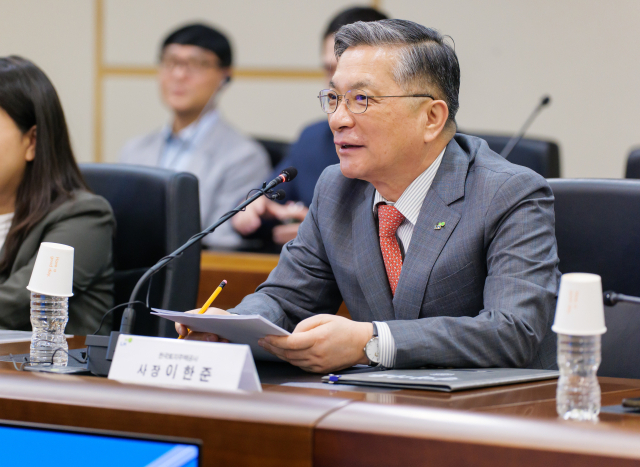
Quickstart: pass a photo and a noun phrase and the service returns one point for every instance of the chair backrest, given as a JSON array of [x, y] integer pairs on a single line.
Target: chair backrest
[[598, 231], [156, 211], [539, 155], [633, 164], [276, 149]]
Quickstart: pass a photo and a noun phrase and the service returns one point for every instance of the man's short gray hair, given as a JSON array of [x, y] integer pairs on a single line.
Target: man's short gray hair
[[425, 61]]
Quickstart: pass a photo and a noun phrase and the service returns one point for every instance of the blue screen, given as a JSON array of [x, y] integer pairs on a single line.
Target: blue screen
[[31, 447]]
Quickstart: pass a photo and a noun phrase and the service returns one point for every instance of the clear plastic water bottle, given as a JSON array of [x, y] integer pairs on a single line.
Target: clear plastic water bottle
[[578, 395], [49, 316]]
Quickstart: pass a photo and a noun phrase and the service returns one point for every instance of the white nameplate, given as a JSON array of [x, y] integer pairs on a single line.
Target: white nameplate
[[158, 361]]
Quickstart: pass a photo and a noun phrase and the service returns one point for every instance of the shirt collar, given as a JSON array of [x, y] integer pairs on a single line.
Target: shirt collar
[[410, 202], [206, 121]]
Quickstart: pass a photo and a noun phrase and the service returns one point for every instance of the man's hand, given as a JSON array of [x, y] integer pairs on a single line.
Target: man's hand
[[292, 211], [285, 233], [201, 336], [247, 222], [289, 212], [322, 343]]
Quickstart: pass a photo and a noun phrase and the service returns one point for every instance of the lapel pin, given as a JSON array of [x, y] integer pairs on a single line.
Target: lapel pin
[[439, 226]]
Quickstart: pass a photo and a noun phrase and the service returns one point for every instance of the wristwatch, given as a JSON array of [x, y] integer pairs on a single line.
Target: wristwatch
[[372, 349]]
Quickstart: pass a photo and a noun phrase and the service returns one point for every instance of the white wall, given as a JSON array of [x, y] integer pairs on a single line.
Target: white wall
[[58, 37], [280, 34], [584, 53]]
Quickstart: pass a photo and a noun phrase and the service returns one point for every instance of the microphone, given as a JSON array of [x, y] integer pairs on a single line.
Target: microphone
[[518, 136], [100, 356], [610, 298], [128, 317], [290, 173], [286, 175]]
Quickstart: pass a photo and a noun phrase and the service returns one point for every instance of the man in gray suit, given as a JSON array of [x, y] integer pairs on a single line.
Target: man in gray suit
[[443, 252], [195, 65]]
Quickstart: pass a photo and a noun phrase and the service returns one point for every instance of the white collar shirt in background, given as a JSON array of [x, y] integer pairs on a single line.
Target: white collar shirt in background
[[227, 163], [179, 147]]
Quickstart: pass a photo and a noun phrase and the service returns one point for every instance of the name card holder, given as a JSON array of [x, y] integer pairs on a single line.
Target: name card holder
[[156, 361]]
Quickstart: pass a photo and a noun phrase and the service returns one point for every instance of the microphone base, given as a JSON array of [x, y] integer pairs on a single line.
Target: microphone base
[[100, 350]]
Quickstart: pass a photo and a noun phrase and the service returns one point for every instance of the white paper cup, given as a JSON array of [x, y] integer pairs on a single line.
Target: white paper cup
[[580, 310], [53, 272]]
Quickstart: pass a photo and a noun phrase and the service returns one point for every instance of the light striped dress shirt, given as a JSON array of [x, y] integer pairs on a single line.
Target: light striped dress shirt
[[409, 205]]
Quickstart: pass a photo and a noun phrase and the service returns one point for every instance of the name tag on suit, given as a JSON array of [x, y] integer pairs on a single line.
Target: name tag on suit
[[156, 361]]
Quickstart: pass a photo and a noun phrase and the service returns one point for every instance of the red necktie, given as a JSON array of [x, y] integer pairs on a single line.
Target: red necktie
[[389, 219]]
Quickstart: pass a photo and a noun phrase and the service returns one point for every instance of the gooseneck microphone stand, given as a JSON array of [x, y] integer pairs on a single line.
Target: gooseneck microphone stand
[[100, 349], [518, 136], [611, 298]]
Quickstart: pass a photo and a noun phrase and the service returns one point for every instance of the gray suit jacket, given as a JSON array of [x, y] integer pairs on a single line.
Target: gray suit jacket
[[87, 224], [479, 292], [227, 164]]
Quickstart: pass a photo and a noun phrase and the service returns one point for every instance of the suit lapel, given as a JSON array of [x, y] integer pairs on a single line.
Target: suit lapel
[[370, 270], [427, 242], [424, 249]]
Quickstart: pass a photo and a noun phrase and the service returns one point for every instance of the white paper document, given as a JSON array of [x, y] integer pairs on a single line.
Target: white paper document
[[157, 361], [238, 329]]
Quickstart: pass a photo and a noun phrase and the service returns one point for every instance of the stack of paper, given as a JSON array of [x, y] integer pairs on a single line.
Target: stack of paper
[[239, 329]]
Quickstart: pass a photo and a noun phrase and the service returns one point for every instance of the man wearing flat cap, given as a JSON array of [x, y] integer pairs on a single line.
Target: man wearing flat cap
[[195, 65]]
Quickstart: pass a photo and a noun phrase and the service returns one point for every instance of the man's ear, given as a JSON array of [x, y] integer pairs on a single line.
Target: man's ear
[[436, 117], [30, 137]]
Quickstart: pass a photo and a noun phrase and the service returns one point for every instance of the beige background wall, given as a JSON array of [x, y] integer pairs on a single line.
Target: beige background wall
[[100, 55]]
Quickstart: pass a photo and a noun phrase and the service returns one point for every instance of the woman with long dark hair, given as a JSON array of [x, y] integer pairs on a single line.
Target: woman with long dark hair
[[43, 198]]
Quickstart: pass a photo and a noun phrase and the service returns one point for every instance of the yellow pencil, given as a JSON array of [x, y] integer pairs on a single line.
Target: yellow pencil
[[208, 303]]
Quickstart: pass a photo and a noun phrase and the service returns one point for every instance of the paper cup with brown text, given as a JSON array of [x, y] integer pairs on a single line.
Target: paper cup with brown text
[[53, 271], [580, 310]]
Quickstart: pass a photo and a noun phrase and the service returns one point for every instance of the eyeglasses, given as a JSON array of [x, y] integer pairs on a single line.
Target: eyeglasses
[[357, 101], [190, 65]]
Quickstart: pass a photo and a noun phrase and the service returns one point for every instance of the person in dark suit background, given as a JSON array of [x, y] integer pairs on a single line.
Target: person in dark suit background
[[43, 198], [443, 251], [313, 152]]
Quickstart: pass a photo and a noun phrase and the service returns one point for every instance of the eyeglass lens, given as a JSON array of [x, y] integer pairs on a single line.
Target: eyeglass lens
[[356, 100], [190, 65]]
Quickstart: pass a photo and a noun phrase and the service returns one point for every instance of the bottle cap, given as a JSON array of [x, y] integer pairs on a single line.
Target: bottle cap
[[53, 271], [580, 310]]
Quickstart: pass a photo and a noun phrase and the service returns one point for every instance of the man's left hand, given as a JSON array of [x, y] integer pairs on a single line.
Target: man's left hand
[[322, 343]]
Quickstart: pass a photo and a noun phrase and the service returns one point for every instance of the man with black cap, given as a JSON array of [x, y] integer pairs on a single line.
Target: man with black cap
[[195, 64]]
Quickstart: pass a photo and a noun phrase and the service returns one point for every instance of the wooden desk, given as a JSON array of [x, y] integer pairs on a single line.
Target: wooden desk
[[266, 429], [363, 434], [508, 425], [308, 423]]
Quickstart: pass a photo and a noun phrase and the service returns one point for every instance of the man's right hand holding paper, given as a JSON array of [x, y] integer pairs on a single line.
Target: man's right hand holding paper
[[201, 336]]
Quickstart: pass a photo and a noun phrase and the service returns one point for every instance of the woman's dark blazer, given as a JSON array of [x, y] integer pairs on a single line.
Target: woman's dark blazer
[[87, 224]]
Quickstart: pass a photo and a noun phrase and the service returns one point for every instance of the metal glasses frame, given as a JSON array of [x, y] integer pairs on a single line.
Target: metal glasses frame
[[320, 96]]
